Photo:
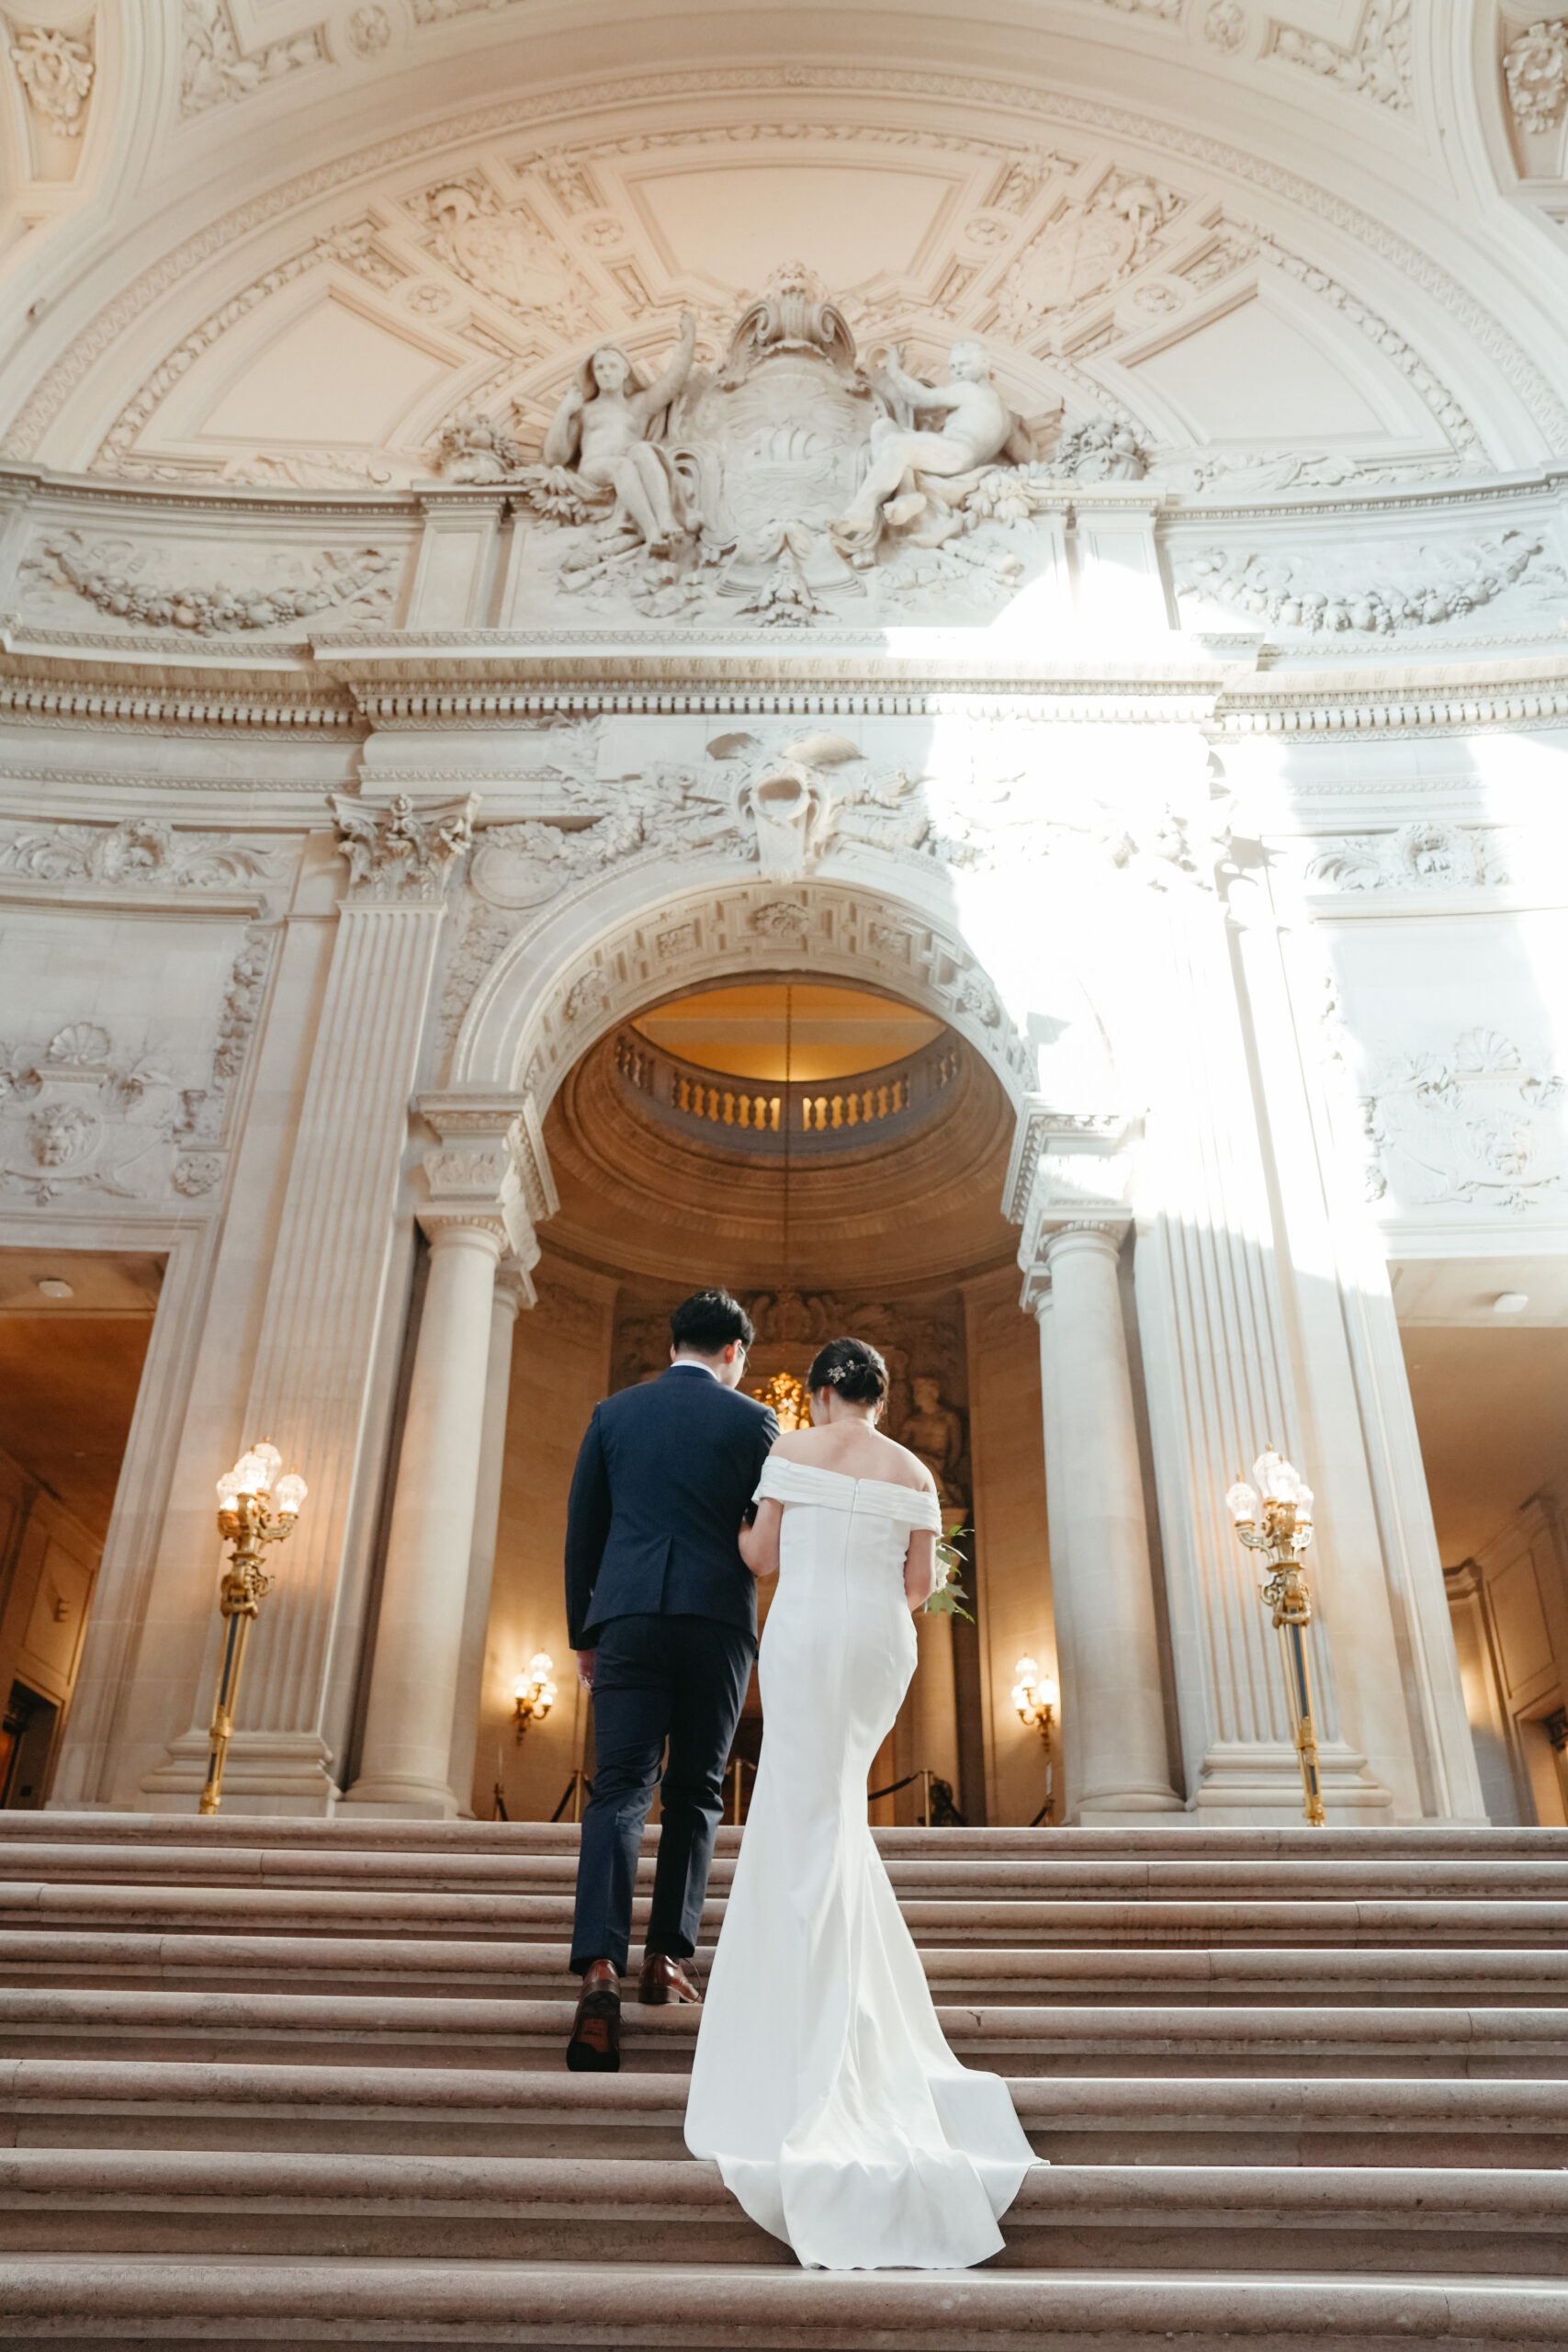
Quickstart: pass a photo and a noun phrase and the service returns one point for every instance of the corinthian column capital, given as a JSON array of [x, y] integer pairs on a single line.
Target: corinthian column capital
[[399, 854]]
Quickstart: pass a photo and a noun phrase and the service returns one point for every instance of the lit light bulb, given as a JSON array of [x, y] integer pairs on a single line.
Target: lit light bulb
[[228, 1489], [290, 1493], [1049, 1693], [1241, 1501], [1275, 1476], [1026, 1670]]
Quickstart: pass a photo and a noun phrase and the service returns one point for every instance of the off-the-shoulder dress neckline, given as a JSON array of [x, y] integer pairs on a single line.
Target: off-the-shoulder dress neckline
[[894, 1486]]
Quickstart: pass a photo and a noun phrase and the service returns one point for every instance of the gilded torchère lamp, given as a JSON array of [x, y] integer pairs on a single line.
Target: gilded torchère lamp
[[1286, 1532], [255, 1507], [533, 1694]]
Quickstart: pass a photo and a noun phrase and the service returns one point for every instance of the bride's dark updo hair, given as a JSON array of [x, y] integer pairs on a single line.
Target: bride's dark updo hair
[[852, 1369]]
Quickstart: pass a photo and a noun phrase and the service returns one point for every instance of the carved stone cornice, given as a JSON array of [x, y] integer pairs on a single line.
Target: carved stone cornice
[[1471, 697]]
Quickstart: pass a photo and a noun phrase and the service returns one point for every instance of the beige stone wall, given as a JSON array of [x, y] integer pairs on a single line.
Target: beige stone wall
[[1013, 1558], [560, 1367]]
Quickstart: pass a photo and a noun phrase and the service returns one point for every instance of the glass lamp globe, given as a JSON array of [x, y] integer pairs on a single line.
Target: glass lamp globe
[[250, 1475], [1241, 1501], [290, 1493], [228, 1489], [1049, 1693]]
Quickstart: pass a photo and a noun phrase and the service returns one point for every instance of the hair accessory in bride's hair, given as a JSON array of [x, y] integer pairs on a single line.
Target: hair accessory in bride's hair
[[852, 1369]]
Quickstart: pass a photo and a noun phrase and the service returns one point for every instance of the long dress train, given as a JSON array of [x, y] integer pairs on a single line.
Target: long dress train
[[822, 2085]]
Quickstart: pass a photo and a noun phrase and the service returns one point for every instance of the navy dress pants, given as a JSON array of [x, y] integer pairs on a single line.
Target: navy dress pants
[[657, 1680]]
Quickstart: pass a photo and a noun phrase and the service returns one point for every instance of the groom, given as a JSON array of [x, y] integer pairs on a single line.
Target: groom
[[663, 1615]]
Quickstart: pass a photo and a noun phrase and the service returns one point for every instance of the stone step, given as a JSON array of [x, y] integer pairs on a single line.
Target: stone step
[[548, 1917], [159, 2305], [473, 2111], [1187, 1841], [1178, 2216], [1534, 1977], [271, 2028], [936, 1872]]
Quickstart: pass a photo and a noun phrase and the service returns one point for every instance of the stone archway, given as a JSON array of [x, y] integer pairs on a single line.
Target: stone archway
[[606, 951]]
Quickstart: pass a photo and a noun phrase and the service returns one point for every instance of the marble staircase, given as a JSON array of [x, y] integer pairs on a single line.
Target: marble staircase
[[301, 2083]]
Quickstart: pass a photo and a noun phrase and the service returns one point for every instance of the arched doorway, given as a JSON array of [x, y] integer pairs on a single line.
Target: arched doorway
[[836, 1154]]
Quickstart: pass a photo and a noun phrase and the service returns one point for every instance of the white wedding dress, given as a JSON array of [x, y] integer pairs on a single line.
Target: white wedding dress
[[822, 2085]]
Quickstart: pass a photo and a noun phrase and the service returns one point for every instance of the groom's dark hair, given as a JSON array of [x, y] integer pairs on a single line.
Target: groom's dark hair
[[709, 1321]]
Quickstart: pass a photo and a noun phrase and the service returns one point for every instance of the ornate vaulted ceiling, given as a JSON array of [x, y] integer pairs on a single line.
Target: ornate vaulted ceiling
[[292, 244]]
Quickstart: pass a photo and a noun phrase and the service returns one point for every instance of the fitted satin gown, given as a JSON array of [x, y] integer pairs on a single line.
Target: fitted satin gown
[[822, 2085]]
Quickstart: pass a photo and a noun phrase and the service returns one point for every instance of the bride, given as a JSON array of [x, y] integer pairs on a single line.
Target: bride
[[822, 2085]]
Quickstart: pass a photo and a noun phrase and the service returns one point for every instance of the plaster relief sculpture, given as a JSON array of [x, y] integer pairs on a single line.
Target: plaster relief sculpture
[[507, 253], [1480, 1125], [402, 852], [787, 484], [214, 69], [1225, 25], [1093, 243], [1101, 449], [1452, 583], [105, 573], [602, 430], [369, 32], [1535, 68], [911, 469], [1426, 855], [1381, 65], [55, 69], [667, 810], [196, 1173], [78, 1113], [138, 850]]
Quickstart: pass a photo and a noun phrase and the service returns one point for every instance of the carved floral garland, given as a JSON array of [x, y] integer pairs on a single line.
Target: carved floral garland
[[1272, 588], [334, 581]]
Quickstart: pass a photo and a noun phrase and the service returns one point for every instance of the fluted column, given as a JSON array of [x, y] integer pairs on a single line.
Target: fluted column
[[486, 1181], [506, 1298], [1071, 1761], [1100, 1568]]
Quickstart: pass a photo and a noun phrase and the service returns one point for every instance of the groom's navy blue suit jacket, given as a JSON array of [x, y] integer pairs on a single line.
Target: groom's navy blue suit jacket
[[664, 1479]]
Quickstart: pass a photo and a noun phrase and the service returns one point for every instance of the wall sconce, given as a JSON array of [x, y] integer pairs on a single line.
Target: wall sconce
[[1035, 1696], [534, 1694], [1286, 1533], [255, 1507]]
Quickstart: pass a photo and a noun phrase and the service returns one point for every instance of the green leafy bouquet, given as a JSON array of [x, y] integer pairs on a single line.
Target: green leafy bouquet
[[944, 1601]]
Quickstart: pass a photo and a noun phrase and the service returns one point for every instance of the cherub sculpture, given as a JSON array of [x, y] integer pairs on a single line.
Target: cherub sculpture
[[604, 430], [978, 429]]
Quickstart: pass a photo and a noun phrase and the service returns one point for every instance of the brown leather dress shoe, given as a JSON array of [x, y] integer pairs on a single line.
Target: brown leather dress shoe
[[595, 2044], [664, 1980]]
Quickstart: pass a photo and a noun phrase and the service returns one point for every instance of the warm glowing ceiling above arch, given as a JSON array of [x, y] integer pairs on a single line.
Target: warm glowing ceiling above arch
[[288, 243]]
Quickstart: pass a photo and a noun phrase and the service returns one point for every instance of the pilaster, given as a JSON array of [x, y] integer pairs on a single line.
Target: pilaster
[[1221, 1383], [320, 1385]]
